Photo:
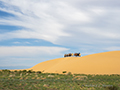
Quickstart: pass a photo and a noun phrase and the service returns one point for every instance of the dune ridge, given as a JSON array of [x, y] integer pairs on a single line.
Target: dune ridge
[[100, 63]]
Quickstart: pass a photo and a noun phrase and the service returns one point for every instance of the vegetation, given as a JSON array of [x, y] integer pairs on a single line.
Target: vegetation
[[64, 71], [30, 80]]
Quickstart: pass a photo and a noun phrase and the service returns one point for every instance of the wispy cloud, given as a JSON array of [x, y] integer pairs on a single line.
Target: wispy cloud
[[16, 42], [52, 20], [28, 55], [30, 51]]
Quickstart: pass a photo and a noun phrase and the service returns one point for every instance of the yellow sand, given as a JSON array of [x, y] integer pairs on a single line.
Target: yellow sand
[[100, 63]]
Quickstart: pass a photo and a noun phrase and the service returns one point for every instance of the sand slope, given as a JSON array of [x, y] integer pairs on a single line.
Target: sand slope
[[100, 63]]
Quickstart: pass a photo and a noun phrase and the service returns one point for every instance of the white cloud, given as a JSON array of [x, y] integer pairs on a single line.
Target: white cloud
[[101, 33], [113, 48], [98, 10], [39, 23], [27, 42], [28, 55], [16, 42], [30, 51], [43, 20]]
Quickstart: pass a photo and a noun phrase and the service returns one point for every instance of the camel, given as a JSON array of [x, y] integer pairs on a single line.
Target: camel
[[71, 54], [68, 55], [77, 54]]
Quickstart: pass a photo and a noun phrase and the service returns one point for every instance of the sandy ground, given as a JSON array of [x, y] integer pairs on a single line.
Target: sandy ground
[[100, 63]]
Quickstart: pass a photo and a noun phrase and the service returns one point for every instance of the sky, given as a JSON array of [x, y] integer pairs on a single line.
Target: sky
[[33, 31]]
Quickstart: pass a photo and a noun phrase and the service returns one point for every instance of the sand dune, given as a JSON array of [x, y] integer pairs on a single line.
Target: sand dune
[[100, 63]]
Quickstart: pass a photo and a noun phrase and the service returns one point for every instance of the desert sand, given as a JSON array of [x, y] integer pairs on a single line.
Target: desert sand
[[100, 63]]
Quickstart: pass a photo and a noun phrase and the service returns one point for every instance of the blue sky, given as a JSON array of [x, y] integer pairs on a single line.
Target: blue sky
[[33, 31]]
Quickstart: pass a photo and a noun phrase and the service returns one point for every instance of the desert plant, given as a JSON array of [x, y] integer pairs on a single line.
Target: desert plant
[[33, 71], [19, 71], [29, 71], [5, 70], [111, 87], [15, 71], [24, 71], [39, 72], [69, 73], [64, 72]]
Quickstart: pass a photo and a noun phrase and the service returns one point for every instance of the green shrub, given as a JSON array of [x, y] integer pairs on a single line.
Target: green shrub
[[15, 71], [64, 72], [29, 71], [39, 72], [5, 70], [20, 71], [24, 71], [111, 87], [69, 73], [33, 71]]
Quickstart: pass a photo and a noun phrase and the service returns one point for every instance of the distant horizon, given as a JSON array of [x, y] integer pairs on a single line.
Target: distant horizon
[[14, 67], [26, 67]]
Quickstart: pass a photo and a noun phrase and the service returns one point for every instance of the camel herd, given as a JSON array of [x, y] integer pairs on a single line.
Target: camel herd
[[71, 54]]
